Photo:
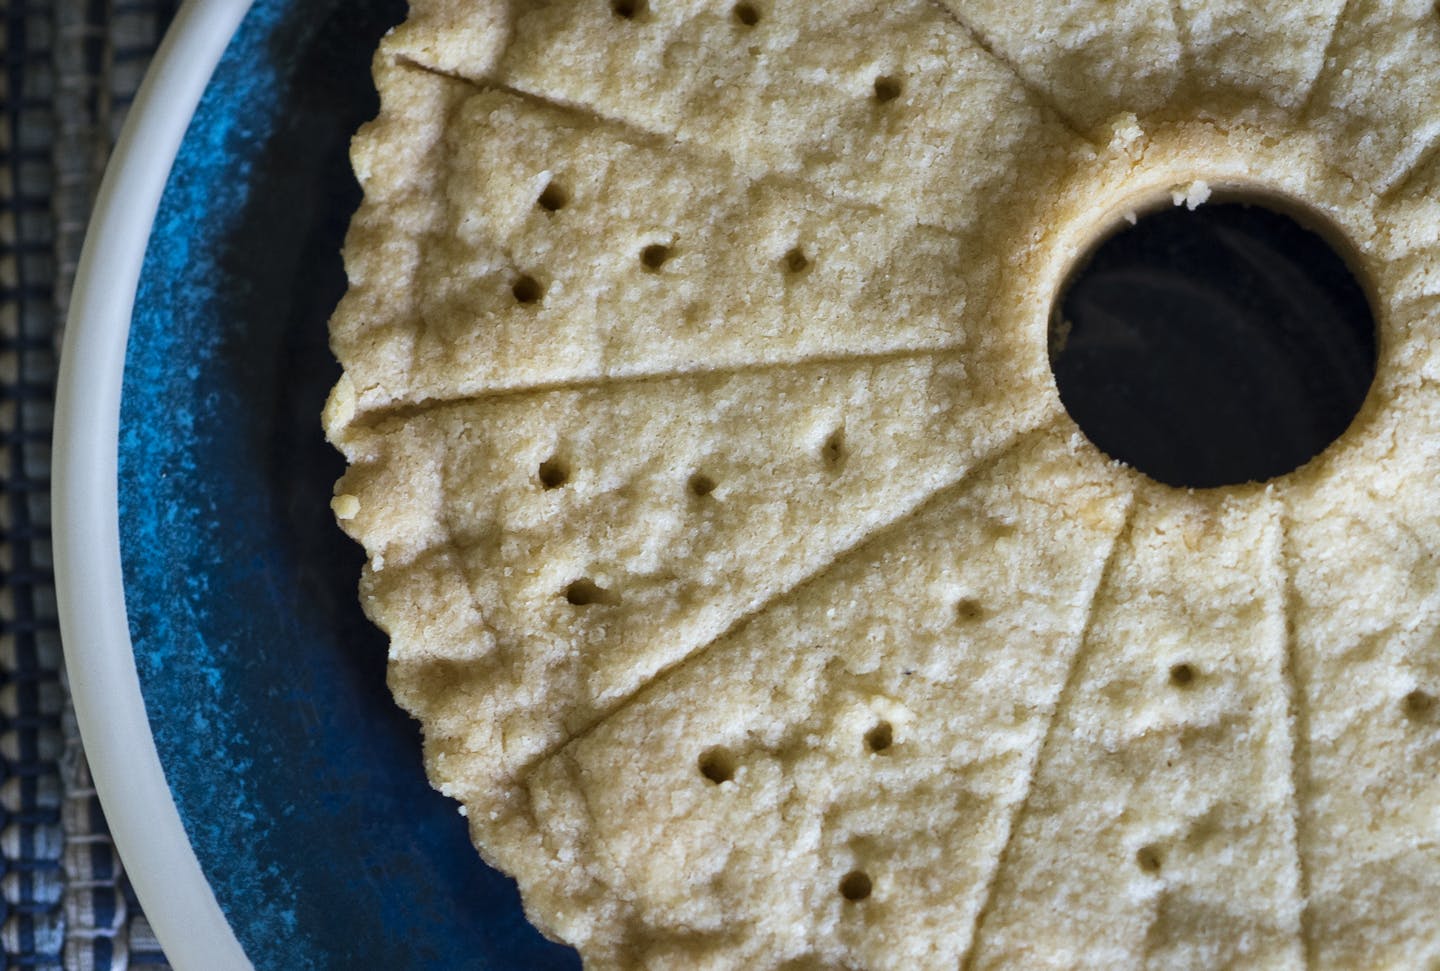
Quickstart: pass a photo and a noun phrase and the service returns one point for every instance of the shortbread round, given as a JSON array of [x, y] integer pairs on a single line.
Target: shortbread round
[[761, 604]]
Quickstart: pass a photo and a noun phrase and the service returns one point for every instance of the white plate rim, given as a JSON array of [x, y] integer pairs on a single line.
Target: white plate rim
[[90, 595]]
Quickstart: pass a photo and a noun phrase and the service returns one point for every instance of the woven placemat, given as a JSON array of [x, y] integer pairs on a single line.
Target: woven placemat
[[71, 68]]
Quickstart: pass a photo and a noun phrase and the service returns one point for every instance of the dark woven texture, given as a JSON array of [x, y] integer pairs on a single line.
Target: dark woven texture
[[70, 71]]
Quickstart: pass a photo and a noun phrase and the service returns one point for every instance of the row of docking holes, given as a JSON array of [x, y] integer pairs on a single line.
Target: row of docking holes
[[1418, 705], [528, 291], [718, 764], [555, 473], [746, 14]]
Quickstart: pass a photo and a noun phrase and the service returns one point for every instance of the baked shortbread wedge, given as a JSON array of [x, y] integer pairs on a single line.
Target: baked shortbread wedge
[[761, 604]]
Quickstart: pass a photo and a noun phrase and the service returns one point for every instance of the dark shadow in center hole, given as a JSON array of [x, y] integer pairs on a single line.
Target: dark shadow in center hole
[[1225, 345]]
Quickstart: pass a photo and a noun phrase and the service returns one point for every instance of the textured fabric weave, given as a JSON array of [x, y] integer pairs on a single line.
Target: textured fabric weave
[[71, 68]]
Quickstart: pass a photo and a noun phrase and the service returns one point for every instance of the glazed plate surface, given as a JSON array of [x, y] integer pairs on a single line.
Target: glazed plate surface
[[298, 782]]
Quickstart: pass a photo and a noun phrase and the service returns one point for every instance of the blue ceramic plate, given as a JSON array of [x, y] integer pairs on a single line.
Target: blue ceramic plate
[[298, 782]]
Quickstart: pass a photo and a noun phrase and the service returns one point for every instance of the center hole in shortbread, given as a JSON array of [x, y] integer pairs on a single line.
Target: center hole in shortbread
[[1227, 344]]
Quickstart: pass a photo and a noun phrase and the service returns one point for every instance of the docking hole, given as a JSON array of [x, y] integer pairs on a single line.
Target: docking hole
[[701, 484], [855, 885], [585, 592], [1418, 705], [881, 737], [553, 197], [718, 765], [1182, 675], [832, 453], [654, 256], [968, 611], [527, 289], [554, 472]]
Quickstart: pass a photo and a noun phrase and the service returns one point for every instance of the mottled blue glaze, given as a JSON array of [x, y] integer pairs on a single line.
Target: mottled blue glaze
[[298, 780]]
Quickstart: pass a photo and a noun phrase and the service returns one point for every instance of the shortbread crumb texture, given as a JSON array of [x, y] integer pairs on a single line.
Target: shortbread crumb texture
[[761, 605]]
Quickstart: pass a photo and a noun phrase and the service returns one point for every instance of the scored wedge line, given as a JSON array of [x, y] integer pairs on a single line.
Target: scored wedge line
[[1297, 722], [1183, 36], [405, 411], [1307, 106], [903, 517], [671, 143], [1397, 185], [1067, 688], [1042, 97]]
